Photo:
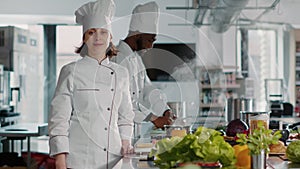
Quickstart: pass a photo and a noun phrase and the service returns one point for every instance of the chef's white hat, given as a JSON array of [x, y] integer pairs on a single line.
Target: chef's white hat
[[97, 14], [145, 18]]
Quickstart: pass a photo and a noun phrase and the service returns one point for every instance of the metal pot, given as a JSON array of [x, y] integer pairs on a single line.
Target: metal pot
[[235, 106]]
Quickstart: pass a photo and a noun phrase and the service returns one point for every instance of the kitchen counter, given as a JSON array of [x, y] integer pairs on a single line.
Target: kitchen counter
[[132, 162], [27, 130], [277, 163], [137, 161]]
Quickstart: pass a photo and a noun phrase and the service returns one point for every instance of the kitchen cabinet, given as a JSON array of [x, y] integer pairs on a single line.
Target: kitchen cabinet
[[216, 83]]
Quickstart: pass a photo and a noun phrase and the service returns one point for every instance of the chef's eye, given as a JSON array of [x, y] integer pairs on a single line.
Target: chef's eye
[[90, 32], [104, 31]]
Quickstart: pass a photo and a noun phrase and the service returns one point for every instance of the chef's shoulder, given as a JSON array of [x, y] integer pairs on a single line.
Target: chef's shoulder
[[68, 68], [120, 70], [118, 58], [124, 53]]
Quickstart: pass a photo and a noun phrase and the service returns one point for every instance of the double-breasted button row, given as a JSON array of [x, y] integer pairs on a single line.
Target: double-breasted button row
[[104, 149], [108, 109]]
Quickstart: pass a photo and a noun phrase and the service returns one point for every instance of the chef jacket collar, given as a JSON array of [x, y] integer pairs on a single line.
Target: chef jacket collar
[[95, 61]]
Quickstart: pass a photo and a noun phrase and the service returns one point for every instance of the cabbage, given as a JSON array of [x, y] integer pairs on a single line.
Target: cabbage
[[293, 151], [236, 126]]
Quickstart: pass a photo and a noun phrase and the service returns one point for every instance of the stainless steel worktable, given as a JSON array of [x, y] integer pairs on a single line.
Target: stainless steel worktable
[[25, 130], [134, 163]]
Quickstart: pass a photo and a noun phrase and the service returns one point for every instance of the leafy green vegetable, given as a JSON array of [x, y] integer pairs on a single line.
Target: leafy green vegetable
[[165, 145], [293, 151], [260, 139], [205, 145]]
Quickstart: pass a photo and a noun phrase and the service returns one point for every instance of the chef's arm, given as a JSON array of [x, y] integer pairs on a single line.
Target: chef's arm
[[60, 113], [126, 114], [60, 161], [161, 121]]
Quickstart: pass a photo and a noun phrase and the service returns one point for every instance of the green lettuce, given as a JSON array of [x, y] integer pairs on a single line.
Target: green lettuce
[[293, 151], [206, 145]]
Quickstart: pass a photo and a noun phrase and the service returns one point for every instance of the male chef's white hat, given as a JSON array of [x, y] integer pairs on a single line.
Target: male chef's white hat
[[145, 18], [97, 14]]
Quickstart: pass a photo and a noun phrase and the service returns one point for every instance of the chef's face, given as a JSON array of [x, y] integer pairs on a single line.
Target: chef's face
[[97, 41], [145, 41]]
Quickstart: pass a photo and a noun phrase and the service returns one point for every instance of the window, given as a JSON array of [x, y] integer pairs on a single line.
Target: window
[[260, 59]]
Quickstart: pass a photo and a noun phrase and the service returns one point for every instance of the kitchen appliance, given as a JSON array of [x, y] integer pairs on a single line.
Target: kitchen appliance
[[19, 54], [10, 92], [274, 96], [276, 108], [288, 109], [237, 105]]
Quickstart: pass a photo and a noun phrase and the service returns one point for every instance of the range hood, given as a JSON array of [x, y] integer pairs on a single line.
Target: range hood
[[221, 14]]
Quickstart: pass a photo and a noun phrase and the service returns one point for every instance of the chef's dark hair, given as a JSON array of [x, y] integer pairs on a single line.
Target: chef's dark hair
[[110, 51]]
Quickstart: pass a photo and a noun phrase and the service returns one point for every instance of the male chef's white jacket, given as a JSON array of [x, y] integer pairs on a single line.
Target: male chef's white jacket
[[90, 113], [145, 97]]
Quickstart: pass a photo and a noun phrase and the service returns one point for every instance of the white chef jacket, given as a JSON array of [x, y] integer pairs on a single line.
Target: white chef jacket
[[145, 97], [91, 112]]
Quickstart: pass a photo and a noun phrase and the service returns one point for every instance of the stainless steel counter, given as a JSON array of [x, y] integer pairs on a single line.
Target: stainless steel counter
[[278, 163], [137, 161], [132, 162], [27, 130]]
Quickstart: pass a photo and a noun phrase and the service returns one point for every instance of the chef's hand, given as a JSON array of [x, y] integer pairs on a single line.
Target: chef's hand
[[171, 115], [168, 118], [126, 147], [60, 161]]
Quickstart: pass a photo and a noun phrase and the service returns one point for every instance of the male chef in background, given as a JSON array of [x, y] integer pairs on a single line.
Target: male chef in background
[[149, 104]]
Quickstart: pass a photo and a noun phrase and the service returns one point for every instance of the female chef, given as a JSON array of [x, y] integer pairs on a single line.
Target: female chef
[[91, 117]]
